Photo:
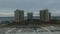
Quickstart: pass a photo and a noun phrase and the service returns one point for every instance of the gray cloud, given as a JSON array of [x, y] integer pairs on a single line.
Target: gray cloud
[[7, 7]]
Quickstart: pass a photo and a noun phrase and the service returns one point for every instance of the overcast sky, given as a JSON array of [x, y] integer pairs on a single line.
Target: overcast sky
[[7, 7]]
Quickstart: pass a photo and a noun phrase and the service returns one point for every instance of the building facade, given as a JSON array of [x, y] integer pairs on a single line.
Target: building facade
[[44, 15], [19, 15], [30, 16], [41, 15], [49, 16]]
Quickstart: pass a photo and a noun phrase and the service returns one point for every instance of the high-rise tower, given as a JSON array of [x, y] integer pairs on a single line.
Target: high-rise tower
[[44, 15], [30, 16], [19, 15], [49, 16]]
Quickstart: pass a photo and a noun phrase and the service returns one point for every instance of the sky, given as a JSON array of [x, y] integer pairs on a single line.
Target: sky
[[7, 7]]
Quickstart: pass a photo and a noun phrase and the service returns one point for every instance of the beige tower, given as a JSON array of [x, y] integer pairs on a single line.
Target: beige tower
[[30, 16], [41, 15], [19, 15], [49, 16], [44, 15]]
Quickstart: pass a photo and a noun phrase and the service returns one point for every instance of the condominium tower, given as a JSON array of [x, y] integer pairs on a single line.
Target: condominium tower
[[44, 15], [30, 16], [19, 15], [49, 16]]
